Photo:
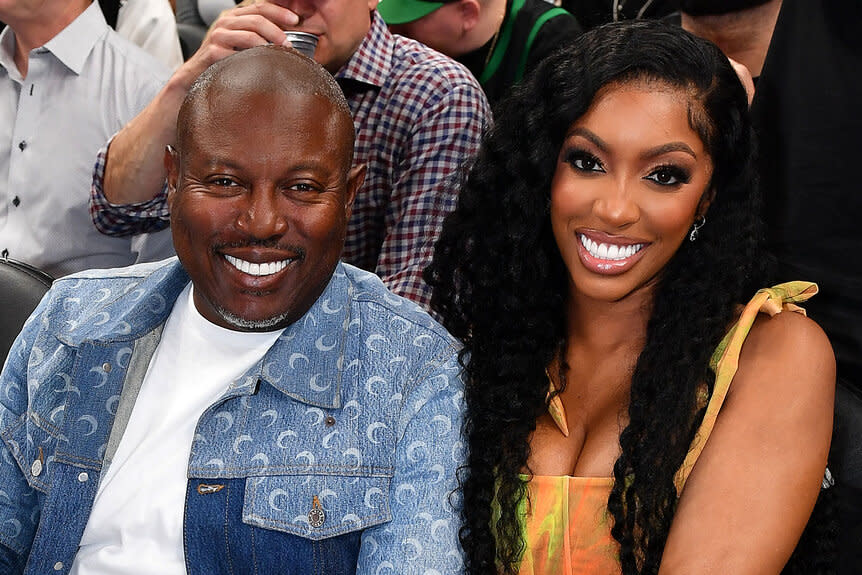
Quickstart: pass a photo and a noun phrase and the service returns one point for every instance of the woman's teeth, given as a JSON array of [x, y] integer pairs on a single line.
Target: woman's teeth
[[611, 252]]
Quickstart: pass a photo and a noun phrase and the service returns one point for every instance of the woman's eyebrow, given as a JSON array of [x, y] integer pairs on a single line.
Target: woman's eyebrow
[[588, 135], [667, 148]]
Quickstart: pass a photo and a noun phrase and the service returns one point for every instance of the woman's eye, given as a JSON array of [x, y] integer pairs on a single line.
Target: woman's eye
[[668, 176], [584, 161]]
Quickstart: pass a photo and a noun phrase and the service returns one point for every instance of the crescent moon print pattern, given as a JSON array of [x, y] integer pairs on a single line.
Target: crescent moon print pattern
[[349, 424]]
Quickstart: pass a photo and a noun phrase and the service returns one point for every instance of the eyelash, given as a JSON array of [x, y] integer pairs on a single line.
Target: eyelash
[[574, 157], [577, 158], [680, 175]]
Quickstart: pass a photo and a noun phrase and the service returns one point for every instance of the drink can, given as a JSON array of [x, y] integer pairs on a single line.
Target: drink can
[[302, 42]]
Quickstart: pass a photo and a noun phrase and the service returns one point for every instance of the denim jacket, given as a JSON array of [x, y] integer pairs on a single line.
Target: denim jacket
[[336, 453]]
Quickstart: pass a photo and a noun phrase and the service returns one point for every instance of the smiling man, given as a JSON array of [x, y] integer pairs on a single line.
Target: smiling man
[[418, 116], [253, 407]]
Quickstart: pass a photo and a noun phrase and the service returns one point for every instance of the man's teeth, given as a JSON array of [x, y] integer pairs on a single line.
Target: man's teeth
[[263, 269], [609, 251]]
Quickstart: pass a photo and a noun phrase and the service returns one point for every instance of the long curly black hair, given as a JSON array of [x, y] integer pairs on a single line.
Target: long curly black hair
[[500, 286]]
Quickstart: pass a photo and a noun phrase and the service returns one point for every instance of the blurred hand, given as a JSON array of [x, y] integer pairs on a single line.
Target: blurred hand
[[745, 78], [251, 23]]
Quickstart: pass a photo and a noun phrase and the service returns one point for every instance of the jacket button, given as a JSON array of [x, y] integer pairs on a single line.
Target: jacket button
[[21, 145], [16, 201], [83, 477], [36, 468], [329, 421], [58, 566], [106, 367], [316, 517]]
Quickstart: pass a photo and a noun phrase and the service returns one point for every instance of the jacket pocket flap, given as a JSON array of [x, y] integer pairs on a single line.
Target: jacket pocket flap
[[316, 506], [32, 445]]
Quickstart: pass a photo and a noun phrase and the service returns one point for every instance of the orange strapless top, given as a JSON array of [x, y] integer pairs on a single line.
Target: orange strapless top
[[565, 521]]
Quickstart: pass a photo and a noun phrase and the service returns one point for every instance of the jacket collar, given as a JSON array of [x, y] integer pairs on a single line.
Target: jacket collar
[[306, 362], [309, 359]]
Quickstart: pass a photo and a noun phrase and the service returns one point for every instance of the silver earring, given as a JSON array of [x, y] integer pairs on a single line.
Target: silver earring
[[695, 227]]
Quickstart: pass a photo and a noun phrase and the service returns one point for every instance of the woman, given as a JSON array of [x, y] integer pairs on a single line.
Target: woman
[[603, 243]]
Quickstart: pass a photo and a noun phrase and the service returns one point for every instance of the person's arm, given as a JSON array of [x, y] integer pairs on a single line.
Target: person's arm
[[133, 170], [18, 501], [422, 536], [444, 137], [752, 490]]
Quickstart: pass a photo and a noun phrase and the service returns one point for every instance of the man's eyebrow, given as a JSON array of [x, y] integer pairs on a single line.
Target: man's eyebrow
[[219, 162]]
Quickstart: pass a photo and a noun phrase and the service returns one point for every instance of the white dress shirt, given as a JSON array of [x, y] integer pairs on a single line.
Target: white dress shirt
[[81, 87], [151, 24]]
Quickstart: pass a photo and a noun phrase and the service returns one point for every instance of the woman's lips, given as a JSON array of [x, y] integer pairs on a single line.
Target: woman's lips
[[606, 255]]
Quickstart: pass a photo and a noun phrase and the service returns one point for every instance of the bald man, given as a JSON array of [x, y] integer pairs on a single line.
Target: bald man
[[254, 406]]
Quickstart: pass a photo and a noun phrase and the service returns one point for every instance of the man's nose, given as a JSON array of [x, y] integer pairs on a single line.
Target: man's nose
[[261, 217]]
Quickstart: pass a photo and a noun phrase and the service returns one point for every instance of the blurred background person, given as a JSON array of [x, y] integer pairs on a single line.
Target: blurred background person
[[807, 115], [67, 82], [497, 40]]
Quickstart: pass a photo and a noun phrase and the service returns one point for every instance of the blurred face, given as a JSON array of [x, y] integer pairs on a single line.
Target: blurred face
[[441, 29], [260, 192], [340, 26], [631, 177]]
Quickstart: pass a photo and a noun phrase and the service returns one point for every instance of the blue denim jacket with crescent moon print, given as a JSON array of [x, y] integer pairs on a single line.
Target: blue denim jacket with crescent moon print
[[336, 453]]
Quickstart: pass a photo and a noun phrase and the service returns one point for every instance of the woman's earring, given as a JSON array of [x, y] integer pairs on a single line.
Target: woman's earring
[[695, 227]]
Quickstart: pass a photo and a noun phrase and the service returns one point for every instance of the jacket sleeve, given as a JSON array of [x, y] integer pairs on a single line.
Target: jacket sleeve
[[422, 536], [19, 513]]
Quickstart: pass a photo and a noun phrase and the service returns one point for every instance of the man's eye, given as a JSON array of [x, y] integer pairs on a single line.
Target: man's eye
[[303, 187], [584, 161], [669, 176], [222, 182]]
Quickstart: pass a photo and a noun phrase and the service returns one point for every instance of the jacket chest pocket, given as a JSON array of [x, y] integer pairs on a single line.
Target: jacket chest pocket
[[286, 524], [316, 507]]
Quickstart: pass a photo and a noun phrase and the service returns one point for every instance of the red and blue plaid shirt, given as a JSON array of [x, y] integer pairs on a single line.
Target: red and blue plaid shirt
[[418, 116]]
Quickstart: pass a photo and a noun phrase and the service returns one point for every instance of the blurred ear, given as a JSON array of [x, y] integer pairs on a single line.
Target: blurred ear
[[172, 166], [705, 201], [355, 178], [470, 10]]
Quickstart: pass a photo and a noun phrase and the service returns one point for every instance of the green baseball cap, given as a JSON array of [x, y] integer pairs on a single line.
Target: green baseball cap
[[404, 11]]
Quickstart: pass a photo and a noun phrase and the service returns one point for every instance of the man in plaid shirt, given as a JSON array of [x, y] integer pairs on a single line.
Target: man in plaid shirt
[[418, 116]]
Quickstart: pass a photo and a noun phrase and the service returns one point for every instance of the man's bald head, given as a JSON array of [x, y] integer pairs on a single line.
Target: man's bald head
[[265, 70]]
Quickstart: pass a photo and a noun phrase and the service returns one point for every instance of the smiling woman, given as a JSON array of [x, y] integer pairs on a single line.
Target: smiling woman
[[626, 411]]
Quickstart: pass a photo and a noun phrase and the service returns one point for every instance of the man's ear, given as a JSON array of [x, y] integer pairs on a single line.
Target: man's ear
[[355, 178], [172, 166], [470, 10]]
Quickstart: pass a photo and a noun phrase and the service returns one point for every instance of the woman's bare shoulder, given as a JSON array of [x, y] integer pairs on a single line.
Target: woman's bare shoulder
[[787, 353]]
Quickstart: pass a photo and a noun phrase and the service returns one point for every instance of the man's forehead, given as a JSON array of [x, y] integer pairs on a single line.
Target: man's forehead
[[249, 114], [258, 79]]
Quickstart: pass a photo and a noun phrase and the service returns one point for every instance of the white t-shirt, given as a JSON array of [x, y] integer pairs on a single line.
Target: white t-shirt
[[138, 510]]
